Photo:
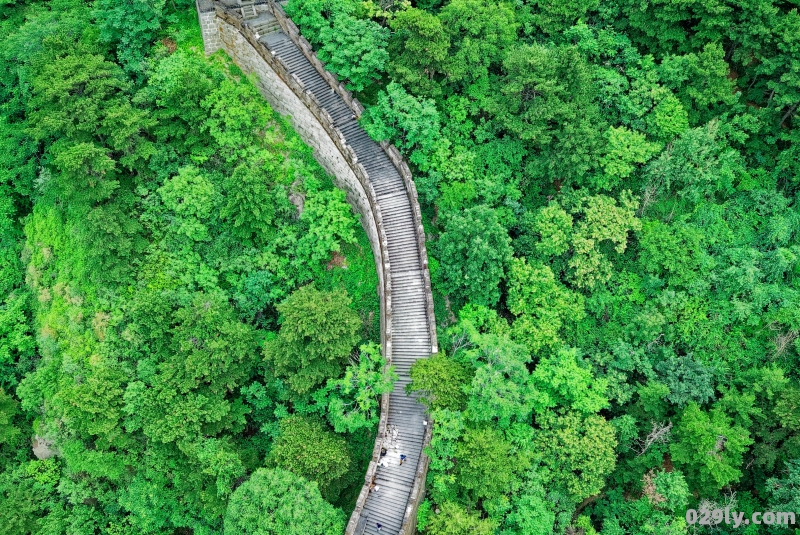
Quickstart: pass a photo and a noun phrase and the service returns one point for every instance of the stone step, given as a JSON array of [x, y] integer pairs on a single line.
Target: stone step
[[411, 339], [402, 245]]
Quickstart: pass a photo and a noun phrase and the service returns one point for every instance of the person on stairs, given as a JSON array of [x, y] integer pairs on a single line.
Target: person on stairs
[[402, 459]]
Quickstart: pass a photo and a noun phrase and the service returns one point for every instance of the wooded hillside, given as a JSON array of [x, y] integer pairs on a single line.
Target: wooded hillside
[[188, 307], [184, 293]]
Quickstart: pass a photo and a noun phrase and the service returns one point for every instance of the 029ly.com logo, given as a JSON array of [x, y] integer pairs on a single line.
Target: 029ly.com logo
[[712, 517]]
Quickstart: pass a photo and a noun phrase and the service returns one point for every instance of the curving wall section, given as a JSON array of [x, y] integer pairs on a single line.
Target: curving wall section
[[261, 39]]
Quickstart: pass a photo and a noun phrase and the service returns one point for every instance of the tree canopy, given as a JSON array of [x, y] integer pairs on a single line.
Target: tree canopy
[[188, 306], [278, 502], [149, 251]]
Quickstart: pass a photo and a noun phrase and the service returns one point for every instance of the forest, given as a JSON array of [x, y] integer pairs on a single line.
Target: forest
[[187, 303]]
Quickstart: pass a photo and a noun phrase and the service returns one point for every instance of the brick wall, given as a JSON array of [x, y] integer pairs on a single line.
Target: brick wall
[[208, 26]]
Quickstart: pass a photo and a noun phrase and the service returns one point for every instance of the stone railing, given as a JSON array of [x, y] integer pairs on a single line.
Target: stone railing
[[418, 489], [380, 249], [216, 19], [409, 526], [293, 32]]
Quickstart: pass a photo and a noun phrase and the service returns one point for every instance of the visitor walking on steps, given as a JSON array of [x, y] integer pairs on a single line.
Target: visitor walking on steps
[[379, 526], [402, 459]]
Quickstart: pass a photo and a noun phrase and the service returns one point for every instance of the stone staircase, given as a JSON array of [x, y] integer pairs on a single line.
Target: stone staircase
[[263, 22], [410, 335], [410, 328], [410, 321]]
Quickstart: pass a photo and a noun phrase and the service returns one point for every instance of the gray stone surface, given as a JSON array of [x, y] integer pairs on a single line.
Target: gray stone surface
[[208, 27], [43, 448], [379, 187]]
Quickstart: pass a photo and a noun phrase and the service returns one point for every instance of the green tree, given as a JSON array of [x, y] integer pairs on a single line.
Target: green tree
[[26, 492], [81, 100], [306, 448], [668, 119], [277, 502], [780, 66], [532, 511], [330, 223], [480, 33], [86, 172], [355, 49], [554, 17], [184, 387], [176, 88], [8, 409], [554, 227], [579, 451], [700, 80], [255, 292], [784, 492], [474, 250], [602, 219], [673, 252], [454, 519], [235, 117], [314, 16], [131, 26], [565, 382], [673, 488], [251, 200], [16, 340], [318, 332], [501, 390], [191, 196], [353, 402], [594, 219], [709, 448], [625, 149], [485, 463], [547, 98], [697, 166], [219, 459], [542, 305], [687, 380], [441, 382], [420, 46]]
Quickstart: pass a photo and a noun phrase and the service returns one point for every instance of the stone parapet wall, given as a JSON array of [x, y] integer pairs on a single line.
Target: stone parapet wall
[[208, 26], [222, 27], [409, 526], [288, 97]]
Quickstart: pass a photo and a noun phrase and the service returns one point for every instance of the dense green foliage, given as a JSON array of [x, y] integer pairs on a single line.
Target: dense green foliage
[[161, 231], [317, 333], [188, 309], [277, 502], [611, 191]]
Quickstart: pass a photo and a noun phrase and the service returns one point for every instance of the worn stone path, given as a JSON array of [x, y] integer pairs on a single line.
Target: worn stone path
[[410, 322]]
